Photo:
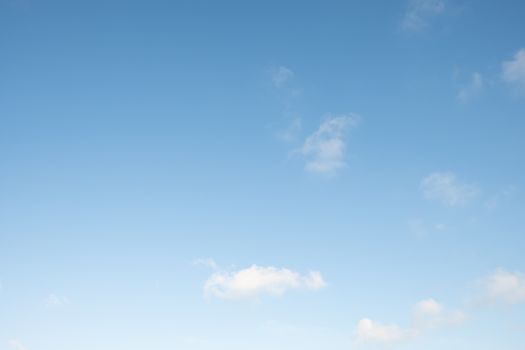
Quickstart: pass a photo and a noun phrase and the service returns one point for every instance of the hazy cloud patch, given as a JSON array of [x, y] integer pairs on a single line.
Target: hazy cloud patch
[[369, 331], [503, 287], [513, 71], [325, 149], [427, 315], [16, 345], [447, 189], [420, 12], [281, 76], [472, 90], [55, 301]]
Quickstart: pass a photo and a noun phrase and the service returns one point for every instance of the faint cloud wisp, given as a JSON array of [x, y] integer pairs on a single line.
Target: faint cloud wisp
[[513, 71], [472, 89], [369, 331], [446, 188], [325, 149], [420, 12], [16, 345], [54, 301], [281, 76]]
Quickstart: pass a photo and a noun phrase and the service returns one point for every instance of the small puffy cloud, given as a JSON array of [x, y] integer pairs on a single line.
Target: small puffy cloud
[[431, 314], [472, 89], [54, 300], [256, 280], [427, 315], [513, 71], [16, 345], [420, 12], [325, 149], [446, 188], [369, 331], [281, 76], [503, 287]]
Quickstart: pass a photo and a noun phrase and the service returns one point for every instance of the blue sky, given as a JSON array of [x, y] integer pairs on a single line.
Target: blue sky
[[262, 175]]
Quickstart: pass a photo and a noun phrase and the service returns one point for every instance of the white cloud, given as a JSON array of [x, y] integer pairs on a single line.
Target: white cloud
[[428, 307], [257, 280], [325, 149], [369, 331], [281, 76], [513, 71], [503, 287], [420, 12], [446, 188], [55, 301], [472, 90], [428, 314], [16, 345], [431, 314]]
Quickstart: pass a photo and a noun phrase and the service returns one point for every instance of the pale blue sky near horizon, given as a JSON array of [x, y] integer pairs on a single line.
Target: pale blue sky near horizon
[[262, 174]]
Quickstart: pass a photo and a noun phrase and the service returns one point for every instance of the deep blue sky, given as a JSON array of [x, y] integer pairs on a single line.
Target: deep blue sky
[[175, 174]]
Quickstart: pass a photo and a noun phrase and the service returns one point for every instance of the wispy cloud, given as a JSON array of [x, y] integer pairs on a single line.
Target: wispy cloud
[[16, 345], [207, 262], [369, 331], [255, 281], [53, 301], [420, 12], [501, 196], [472, 89], [421, 228], [513, 71], [503, 287], [447, 189], [428, 314], [282, 80], [291, 132], [325, 149], [281, 76]]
